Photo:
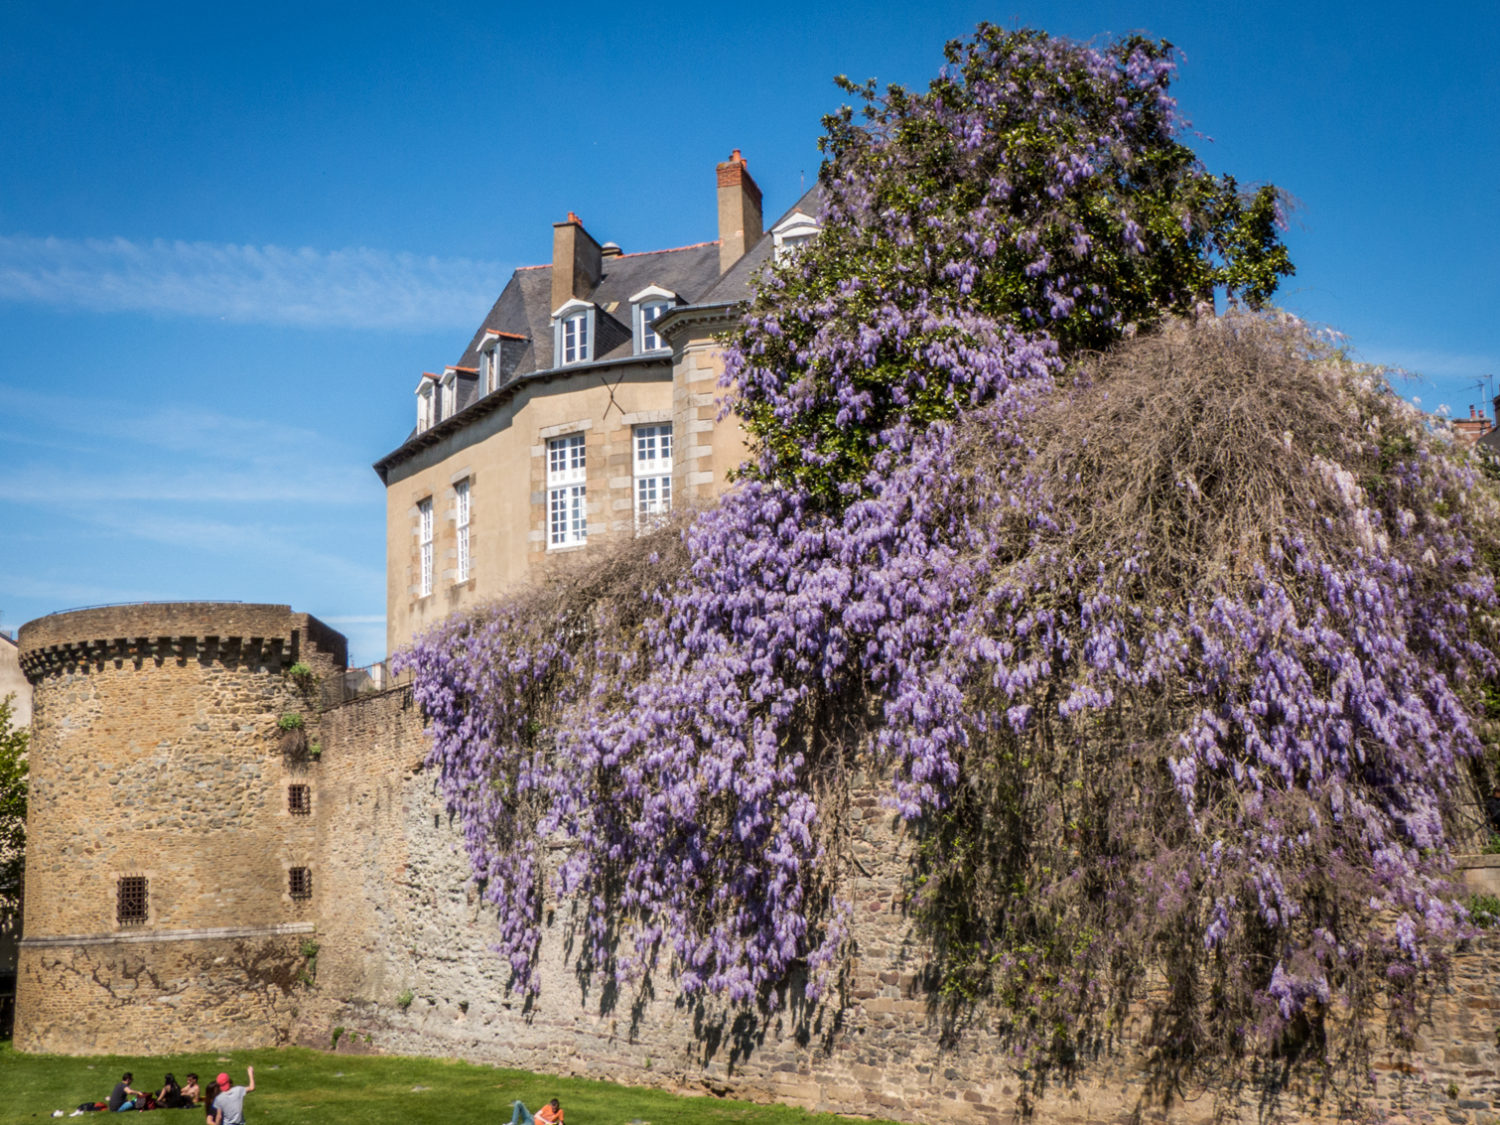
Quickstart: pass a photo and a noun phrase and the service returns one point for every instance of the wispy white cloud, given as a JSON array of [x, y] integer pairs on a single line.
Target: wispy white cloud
[[1433, 363], [169, 453], [248, 284]]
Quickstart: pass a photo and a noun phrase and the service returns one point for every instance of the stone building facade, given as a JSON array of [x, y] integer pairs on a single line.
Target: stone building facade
[[584, 406]]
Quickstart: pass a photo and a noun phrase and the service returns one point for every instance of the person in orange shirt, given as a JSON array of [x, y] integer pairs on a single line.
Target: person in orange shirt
[[549, 1114]]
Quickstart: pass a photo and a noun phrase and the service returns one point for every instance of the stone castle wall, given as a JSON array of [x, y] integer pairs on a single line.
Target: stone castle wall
[[157, 754]]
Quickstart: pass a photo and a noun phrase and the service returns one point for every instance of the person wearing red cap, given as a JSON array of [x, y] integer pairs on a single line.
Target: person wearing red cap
[[229, 1106]]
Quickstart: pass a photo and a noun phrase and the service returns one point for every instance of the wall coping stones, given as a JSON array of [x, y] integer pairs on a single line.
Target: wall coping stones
[[136, 937]]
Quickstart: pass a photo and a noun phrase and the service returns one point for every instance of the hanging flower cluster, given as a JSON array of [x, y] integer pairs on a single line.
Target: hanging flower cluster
[[1163, 654]]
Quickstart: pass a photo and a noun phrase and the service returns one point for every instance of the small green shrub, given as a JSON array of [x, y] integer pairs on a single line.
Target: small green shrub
[[1492, 845], [1484, 911], [338, 1033], [315, 750], [292, 720], [300, 671], [404, 1000]]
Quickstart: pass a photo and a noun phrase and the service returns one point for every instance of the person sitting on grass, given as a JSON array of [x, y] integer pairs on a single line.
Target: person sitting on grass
[[171, 1095], [123, 1096], [549, 1114], [190, 1092]]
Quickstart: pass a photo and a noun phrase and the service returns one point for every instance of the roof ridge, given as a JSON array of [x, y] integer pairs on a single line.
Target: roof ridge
[[669, 249]]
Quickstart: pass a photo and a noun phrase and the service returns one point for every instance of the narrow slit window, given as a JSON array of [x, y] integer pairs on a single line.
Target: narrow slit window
[[299, 800], [299, 882], [131, 903]]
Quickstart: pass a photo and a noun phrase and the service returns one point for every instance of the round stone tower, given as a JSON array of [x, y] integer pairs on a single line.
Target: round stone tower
[[170, 876]]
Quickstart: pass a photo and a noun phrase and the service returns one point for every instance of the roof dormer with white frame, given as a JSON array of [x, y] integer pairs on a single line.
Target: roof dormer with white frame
[[427, 402], [796, 228], [645, 307], [573, 332]]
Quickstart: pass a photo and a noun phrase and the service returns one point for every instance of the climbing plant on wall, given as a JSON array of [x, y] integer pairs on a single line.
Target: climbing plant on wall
[[1163, 651]]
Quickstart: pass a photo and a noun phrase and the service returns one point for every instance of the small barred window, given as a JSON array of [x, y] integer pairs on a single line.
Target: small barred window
[[298, 800], [299, 882], [131, 902]]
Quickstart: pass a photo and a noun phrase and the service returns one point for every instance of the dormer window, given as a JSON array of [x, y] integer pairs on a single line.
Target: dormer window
[[647, 305], [492, 354], [794, 231], [426, 404], [450, 393], [573, 327]]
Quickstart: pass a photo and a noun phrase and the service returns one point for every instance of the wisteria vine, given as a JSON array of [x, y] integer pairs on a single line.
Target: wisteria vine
[[1165, 655]]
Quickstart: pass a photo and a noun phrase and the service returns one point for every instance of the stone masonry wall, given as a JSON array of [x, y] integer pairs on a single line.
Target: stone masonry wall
[[414, 974], [157, 754]]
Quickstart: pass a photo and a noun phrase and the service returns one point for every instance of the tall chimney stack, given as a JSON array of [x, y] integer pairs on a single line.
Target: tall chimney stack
[[739, 210], [577, 261]]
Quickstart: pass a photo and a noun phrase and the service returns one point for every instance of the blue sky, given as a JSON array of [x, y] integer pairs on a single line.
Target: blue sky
[[231, 237]]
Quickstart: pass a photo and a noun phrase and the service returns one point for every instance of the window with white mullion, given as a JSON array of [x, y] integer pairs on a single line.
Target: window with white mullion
[[650, 341], [567, 496], [461, 520], [575, 331], [424, 517], [653, 474]]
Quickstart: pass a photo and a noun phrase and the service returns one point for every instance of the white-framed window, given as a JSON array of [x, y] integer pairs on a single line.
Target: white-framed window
[[653, 473], [647, 305], [572, 333], [450, 394], [575, 338], [424, 544], [425, 406], [490, 369], [567, 473], [461, 527], [794, 231]]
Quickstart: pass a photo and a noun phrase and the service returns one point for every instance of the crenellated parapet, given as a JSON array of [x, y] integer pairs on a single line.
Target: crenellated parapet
[[232, 632]]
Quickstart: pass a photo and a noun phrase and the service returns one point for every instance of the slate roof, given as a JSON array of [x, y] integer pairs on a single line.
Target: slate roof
[[524, 307], [523, 315]]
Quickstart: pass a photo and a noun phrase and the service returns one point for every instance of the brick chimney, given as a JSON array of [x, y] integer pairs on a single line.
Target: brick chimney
[[577, 261], [739, 210], [1471, 429]]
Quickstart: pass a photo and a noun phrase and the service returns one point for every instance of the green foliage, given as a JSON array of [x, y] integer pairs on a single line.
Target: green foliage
[[13, 787], [338, 1033], [404, 1000], [292, 720], [300, 671], [315, 750], [308, 974], [1035, 184], [296, 1086], [1484, 911]]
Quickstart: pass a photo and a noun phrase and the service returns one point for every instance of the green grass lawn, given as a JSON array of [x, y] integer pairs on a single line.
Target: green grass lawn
[[302, 1087]]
